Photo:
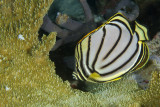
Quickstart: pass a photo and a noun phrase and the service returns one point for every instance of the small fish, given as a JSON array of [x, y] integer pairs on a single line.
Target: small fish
[[110, 51]]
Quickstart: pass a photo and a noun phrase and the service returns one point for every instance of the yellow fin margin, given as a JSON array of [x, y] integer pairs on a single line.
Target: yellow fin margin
[[142, 31], [122, 18], [97, 77]]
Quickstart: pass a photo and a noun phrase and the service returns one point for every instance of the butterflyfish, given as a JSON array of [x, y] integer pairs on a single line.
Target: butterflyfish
[[111, 51]]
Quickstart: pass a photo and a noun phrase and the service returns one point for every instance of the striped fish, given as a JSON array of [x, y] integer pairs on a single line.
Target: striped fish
[[111, 50]]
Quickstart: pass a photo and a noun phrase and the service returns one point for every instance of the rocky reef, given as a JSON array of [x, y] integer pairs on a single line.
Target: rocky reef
[[28, 76]]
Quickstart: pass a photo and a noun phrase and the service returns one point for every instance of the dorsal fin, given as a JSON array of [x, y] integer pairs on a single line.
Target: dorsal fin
[[120, 17], [142, 32]]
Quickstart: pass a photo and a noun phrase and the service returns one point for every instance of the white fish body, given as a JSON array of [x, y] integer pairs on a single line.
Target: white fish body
[[110, 51]]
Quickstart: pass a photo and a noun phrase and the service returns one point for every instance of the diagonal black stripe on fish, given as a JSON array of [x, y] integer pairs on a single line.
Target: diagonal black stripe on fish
[[110, 51]]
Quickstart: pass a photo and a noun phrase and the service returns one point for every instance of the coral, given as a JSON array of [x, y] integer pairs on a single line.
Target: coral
[[151, 97], [154, 46], [61, 18], [25, 69], [27, 75]]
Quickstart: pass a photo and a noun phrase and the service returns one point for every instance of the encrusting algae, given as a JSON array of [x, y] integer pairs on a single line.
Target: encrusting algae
[[27, 75]]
